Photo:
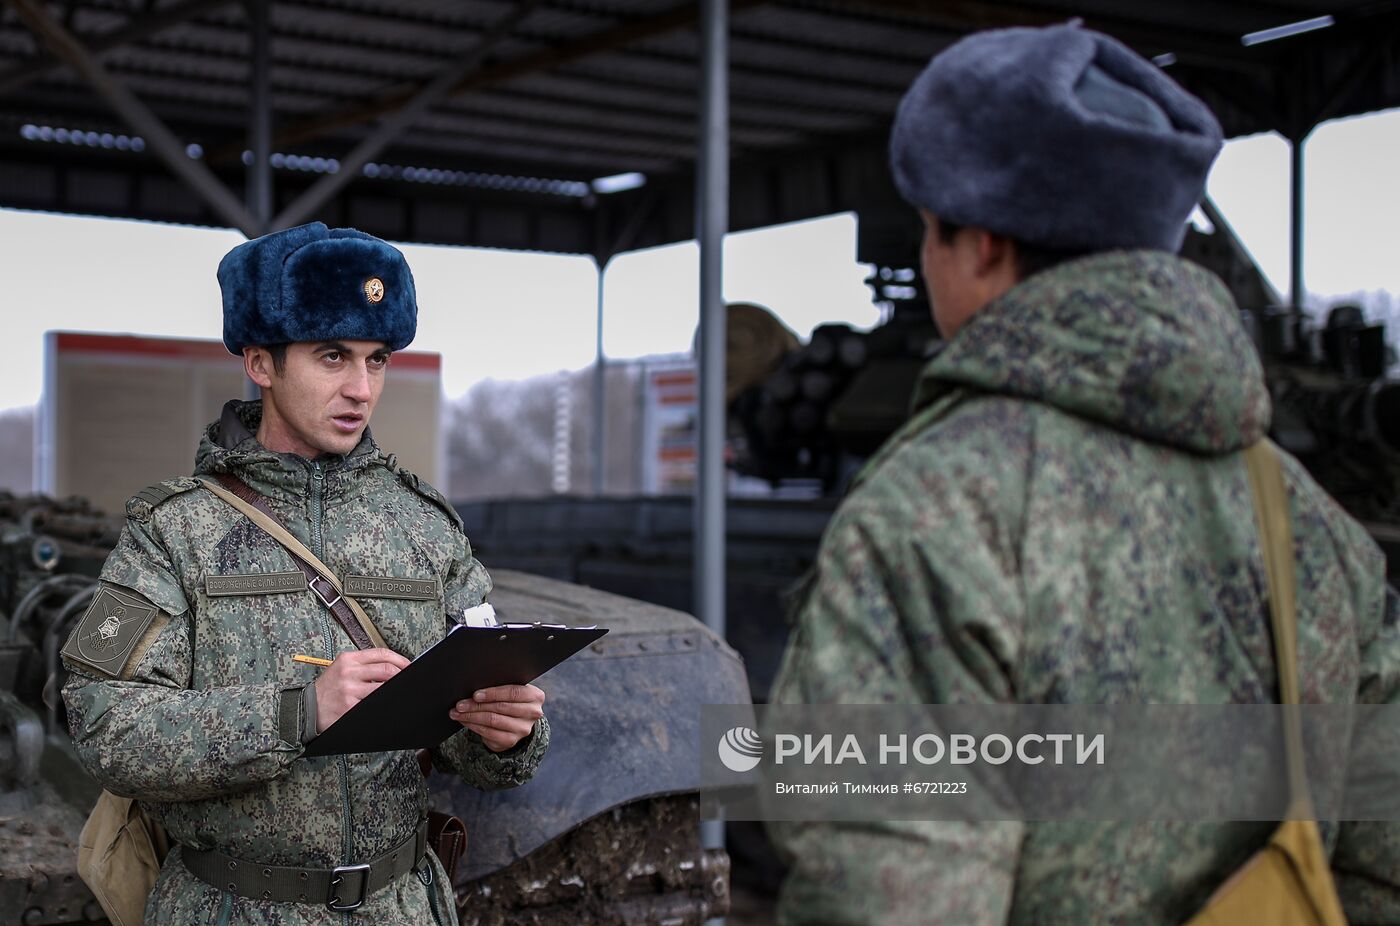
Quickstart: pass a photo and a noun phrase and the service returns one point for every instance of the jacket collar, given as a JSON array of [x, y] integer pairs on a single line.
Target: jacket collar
[[1141, 341], [230, 445]]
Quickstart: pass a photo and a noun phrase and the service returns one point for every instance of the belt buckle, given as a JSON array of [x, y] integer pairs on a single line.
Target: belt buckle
[[338, 875], [326, 599]]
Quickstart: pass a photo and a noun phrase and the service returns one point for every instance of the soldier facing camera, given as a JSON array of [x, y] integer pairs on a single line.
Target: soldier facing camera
[[184, 692]]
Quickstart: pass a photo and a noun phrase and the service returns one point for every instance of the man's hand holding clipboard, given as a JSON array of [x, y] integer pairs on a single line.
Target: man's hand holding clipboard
[[502, 716], [476, 677]]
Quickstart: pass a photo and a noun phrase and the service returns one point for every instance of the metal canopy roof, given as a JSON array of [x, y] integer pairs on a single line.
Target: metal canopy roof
[[543, 96]]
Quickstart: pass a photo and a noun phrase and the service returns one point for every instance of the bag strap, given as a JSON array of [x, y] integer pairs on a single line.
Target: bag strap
[[346, 610], [1276, 535]]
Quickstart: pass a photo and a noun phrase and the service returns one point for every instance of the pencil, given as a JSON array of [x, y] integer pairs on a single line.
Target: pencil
[[311, 660]]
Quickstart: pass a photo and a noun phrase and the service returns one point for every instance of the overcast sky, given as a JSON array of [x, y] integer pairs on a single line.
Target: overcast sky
[[511, 315]]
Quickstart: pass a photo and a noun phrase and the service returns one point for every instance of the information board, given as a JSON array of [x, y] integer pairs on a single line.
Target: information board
[[669, 430], [120, 412]]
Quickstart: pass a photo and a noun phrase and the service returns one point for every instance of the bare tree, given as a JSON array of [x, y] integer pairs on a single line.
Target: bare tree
[[500, 439]]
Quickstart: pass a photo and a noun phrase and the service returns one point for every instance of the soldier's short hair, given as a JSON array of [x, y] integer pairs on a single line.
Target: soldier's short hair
[[1030, 258]]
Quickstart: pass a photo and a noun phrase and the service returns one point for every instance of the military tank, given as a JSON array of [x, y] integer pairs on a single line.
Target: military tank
[[50, 555], [1337, 410], [606, 833]]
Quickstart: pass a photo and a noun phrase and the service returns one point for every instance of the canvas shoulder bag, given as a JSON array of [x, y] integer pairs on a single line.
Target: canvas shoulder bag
[[120, 851], [1289, 881]]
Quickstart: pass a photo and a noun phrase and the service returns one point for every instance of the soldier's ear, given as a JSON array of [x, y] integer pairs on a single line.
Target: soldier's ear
[[993, 253], [257, 363]]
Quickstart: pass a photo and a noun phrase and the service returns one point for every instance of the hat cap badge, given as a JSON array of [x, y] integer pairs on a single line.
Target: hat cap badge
[[374, 289]]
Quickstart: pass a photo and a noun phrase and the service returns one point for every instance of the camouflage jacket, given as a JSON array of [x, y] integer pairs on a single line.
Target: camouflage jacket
[[1066, 519], [203, 719]]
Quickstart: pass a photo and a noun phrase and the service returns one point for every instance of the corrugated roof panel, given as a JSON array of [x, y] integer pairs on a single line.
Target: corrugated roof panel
[[388, 66], [169, 76], [154, 63], [644, 99], [550, 135], [51, 105], [464, 151], [335, 26], [380, 64], [90, 20], [213, 37], [534, 111], [621, 8], [340, 20], [1206, 17], [820, 65], [681, 76], [560, 25], [838, 30], [155, 89], [402, 13], [814, 79], [523, 107], [595, 92], [402, 57], [16, 45]]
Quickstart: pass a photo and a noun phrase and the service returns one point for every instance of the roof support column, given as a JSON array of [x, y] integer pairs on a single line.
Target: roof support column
[[712, 220], [145, 123], [600, 369], [260, 114], [1296, 293], [259, 189]]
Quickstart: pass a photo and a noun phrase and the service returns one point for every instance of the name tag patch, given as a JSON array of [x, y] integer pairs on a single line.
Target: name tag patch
[[391, 587], [254, 583]]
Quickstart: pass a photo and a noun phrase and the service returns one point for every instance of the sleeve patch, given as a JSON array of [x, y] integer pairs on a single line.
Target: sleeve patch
[[109, 631]]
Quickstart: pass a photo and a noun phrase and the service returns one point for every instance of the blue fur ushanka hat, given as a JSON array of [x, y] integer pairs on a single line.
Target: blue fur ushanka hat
[[313, 283], [1060, 137]]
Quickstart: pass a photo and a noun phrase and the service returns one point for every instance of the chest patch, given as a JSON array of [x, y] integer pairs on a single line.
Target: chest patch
[[254, 583], [392, 587], [110, 630]]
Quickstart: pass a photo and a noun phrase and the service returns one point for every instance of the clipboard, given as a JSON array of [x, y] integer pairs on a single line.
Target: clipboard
[[409, 711]]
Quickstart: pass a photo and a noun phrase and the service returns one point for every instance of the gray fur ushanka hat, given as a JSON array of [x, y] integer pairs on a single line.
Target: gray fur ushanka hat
[[1060, 137], [313, 283]]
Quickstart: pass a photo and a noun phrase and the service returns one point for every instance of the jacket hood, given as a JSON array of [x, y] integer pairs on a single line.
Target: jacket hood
[[1142, 341], [230, 445]]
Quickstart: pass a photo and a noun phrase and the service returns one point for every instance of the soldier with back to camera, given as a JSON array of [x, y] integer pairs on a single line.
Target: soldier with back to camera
[[183, 691], [1066, 516]]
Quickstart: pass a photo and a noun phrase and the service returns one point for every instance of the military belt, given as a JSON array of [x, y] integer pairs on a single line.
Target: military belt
[[342, 889]]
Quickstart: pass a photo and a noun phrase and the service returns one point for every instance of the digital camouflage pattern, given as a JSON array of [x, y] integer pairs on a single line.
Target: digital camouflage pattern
[[1066, 519], [194, 726]]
